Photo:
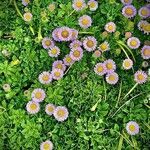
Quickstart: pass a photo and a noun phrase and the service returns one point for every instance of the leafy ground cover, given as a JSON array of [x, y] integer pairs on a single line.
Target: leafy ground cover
[[98, 111]]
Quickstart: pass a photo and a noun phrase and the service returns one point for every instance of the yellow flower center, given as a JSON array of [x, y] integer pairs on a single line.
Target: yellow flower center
[[54, 51], [127, 64], [146, 27], [132, 128], [129, 11], [33, 106], [110, 27], [57, 74], [47, 42], [103, 47], [28, 16], [146, 52], [126, 1], [90, 43], [133, 43], [109, 66], [100, 68], [27, 1], [46, 146], [79, 4], [65, 34], [38, 95], [76, 53], [112, 78], [59, 66], [45, 78], [61, 113], [68, 59], [144, 12], [92, 4], [140, 77], [85, 21], [50, 108]]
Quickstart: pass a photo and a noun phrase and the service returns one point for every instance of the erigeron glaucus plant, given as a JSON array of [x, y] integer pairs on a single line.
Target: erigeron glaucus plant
[[75, 84]]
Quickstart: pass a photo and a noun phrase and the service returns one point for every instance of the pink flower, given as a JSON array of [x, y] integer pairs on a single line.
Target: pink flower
[[25, 2], [110, 27], [110, 66], [54, 51], [85, 21], [78, 5], [93, 5], [129, 11], [49, 109], [74, 34], [126, 2], [57, 74], [112, 78], [145, 52], [47, 43], [133, 42], [144, 12], [47, 145], [68, 60], [76, 54], [32, 107], [58, 64], [45, 77], [132, 128], [140, 77], [127, 64], [75, 44], [100, 69]]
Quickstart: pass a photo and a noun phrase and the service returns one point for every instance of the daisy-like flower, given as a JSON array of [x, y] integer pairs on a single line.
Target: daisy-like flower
[[49, 109], [104, 46], [146, 28], [85, 21], [93, 5], [126, 2], [47, 43], [90, 43], [27, 16], [127, 64], [144, 12], [32, 107], [54, 51], [68, 60], [78, 5], [57, 74], [38, 95], [112, 78], [145, 52], [129, 11], [75, 44], [6, 87], [61, 113], [110, 27], [97, 53], [45, 77], [140, 77], [76, 54], [55, 34], [25, 2], [74, 34], [47, 145], [110, 66], [58, 64], [133, 42], [141, 24], [128, 34], [100, 69], [65, 34], [132, 128]]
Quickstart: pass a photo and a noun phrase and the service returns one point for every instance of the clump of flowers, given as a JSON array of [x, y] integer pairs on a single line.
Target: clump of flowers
[[90, 43], [85, 21], [132, 128], [133, 42], [61, 113], [93, 5], [129, 11], [27, 16], [78, 5], [38, 95], [145, 52], [47, 145], [45, 77], [140, 77], [110, 27], [32, 107]]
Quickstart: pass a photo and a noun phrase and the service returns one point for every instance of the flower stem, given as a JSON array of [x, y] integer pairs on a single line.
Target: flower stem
[[105, 90], [17, 9], [86, 33], [39, 34], [71, 13], [32, 30], [119, 94]]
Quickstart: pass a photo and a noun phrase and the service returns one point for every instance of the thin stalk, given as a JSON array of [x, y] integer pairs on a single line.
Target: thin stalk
[[68, 69], [71, 13], [32, 30], [126, 103], [86, 32], [17, 9], [39, 34], [104, 85], [130, 90], [120, 90]]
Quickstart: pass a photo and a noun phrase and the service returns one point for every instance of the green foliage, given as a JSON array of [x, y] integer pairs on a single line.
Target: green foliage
[[80, 90]]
